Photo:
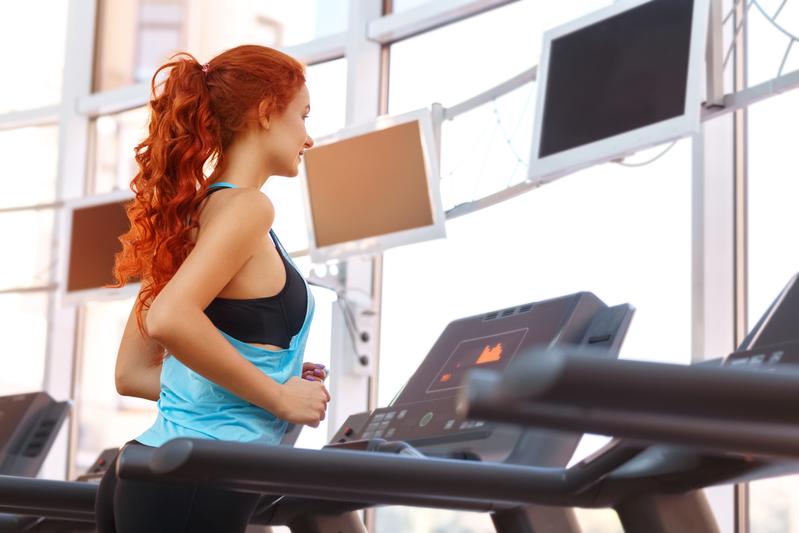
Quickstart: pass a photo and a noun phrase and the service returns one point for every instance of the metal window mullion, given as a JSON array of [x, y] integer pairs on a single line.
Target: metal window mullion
[[426, 17], [30, 117], [741, 289]]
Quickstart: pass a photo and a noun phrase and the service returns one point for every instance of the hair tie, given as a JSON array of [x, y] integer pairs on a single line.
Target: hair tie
[[205, 69]]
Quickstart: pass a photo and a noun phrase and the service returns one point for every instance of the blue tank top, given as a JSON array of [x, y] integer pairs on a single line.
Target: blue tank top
[[192, 406]]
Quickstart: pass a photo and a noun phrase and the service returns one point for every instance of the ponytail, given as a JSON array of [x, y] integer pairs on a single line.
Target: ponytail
[[195, 114]]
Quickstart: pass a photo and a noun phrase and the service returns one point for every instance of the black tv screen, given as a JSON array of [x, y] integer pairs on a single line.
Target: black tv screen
[[617, 75]]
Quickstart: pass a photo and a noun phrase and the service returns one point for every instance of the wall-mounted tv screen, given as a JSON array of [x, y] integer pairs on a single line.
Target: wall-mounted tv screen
[[373, 186], [92, 229], [621, 79]]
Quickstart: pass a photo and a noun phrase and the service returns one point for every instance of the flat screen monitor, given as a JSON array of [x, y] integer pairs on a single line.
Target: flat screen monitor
[[373, 186], [622, 79], [92, 228]]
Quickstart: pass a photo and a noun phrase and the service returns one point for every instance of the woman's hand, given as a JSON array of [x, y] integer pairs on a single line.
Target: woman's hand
[[303, 402], [313, 372]]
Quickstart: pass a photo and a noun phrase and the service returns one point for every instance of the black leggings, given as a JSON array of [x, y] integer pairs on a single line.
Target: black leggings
[[125, 506]]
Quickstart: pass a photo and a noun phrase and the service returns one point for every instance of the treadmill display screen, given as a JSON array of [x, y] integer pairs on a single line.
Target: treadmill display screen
[[492, 352]]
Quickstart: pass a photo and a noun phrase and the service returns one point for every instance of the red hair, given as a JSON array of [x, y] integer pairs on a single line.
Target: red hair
[[193, 120]]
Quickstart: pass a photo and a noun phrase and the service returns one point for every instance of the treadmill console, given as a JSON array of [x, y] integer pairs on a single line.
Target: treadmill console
[[424, 413], [29, 424], [774, 340]]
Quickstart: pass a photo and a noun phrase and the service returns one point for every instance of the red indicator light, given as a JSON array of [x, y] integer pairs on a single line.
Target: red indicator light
[[446, 377]]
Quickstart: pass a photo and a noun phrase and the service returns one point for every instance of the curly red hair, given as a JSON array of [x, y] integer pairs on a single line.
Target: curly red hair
[[194, 117]]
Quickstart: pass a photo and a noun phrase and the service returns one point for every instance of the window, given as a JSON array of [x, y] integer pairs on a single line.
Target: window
[[622, 233], [43, 38], [23, 333], [773, 183], [136, 36], [115, 136], [28, 181]]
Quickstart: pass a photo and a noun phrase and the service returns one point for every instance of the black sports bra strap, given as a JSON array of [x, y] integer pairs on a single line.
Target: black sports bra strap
[[212, 190]]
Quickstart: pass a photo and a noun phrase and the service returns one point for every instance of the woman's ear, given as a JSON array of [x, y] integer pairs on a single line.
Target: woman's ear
[[264, 118]]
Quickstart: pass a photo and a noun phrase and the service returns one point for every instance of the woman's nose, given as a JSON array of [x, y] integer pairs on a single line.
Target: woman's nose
[[308, 141]]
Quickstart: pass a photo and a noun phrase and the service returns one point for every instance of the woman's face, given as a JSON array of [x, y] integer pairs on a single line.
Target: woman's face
[[288, 139]]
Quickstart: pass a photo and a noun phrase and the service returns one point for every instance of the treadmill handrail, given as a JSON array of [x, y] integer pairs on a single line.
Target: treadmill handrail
[[725, 436], [375, 476], [558, 377], [47, 494]]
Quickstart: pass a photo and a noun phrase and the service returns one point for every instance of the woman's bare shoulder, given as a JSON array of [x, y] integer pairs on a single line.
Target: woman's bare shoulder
[[245, 207]]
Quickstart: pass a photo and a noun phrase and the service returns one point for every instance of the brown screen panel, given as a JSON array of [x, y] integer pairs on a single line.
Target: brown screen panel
[[369, 185], [94, 243]]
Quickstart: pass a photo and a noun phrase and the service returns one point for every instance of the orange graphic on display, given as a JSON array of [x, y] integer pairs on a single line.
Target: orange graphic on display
[[446, 377], [490, 354]]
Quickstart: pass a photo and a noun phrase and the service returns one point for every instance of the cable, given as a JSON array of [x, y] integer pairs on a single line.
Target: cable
[[661, 154], [346, 311], [508, 140]]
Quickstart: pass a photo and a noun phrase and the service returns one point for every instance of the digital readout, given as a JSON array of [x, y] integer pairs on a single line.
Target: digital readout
[[493, 352]]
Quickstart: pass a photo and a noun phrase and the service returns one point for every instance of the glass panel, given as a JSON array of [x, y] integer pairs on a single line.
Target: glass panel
[[599, 230], [105, 419], [487, 149], [115, 137], [405, 5], [30, 159], [327, 85], [773, 260], [768, 45], [30, 244], [136, 36], [23, 335], [414, 519], [32, 41], [509, 43]]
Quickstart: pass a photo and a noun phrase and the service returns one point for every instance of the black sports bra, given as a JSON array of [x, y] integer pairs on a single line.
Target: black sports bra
[[271, 320]]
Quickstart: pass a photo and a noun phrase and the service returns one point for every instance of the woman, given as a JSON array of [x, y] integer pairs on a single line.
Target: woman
[[218, 330]]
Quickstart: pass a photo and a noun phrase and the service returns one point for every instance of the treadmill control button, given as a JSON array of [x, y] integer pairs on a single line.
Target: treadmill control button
[[402, 414], [348, 432], [427, 418], [464, 425], [367, 435], [598, 338], [472, 423], [390, 415], [384, 425], [342, 440], [479, 424], [373, 426], [449, 424], [378, 418], [390, 432], [378, 433]]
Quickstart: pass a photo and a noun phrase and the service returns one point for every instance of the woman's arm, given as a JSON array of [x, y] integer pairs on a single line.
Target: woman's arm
[[139, 360], [228, 239]]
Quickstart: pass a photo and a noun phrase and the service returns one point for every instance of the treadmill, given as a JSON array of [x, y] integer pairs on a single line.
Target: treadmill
[[654, 487], [725, 421], [418, 451]]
